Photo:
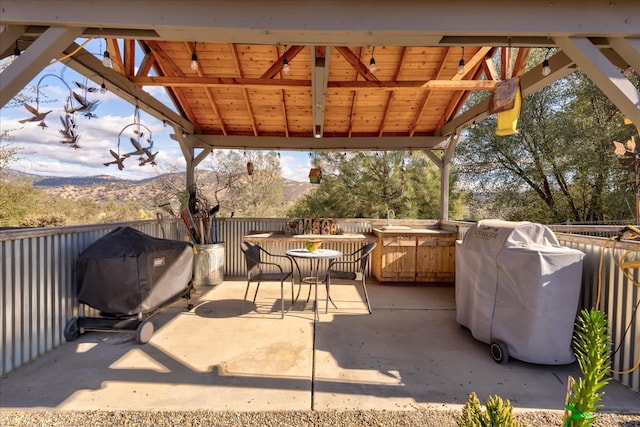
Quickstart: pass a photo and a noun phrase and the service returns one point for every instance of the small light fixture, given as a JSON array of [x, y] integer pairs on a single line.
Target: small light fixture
[[106, 59], [16, 51], [372, 62], [461, 63], [194, 58], [285, 66], [546, 69], [103, 88]]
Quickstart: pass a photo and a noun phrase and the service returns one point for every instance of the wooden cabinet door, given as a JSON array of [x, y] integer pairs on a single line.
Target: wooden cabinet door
[[398, 258], [435, 259]]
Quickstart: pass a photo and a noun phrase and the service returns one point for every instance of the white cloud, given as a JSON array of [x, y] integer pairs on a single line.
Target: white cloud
[[42, 152], [295, 165]]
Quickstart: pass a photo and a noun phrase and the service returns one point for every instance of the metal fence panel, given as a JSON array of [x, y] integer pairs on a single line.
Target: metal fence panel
[[38, 281]]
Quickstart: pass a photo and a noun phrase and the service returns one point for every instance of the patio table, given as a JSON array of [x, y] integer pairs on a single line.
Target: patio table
[[314, 258]]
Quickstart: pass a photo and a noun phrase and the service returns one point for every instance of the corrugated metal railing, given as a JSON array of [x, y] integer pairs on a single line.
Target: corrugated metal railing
[[38, 281], [38, 284]]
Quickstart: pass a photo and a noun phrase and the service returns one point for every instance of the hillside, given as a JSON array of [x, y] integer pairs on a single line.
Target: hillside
[[148, 192]]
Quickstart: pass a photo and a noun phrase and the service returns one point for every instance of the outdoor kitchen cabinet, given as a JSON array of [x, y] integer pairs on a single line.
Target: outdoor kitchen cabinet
[[414, 256]]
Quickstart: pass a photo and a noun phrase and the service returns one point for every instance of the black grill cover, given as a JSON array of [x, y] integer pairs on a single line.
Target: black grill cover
[[127, 272]]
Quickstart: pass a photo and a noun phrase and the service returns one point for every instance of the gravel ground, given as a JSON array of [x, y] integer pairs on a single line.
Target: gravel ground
[[422, 418]]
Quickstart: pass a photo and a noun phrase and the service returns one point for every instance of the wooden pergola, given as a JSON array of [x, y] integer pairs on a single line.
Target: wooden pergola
[[241, 96]]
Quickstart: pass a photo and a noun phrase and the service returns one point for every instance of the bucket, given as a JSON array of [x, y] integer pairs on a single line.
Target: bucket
[[208, 264]]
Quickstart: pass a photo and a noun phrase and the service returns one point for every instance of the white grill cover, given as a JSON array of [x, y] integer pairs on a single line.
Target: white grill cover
[[517, 285]]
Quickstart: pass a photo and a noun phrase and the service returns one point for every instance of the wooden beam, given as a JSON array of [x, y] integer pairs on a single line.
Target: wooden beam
[[473, 62], [531, 81], [245, 92], [148, 60], [262, 22], [319, 78], [460, 85], [276, 67], [116, 57], [129, 58], [604, 74], [427, 95], [294, 83], [91, 67], [283, 105], [373, 143], [167, 66], [521, 61], [357, 65], [490, 70], [34, 59], [354, 98], [403, 56]]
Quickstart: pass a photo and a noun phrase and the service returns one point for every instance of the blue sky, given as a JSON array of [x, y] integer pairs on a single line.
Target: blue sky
[[43, 154]]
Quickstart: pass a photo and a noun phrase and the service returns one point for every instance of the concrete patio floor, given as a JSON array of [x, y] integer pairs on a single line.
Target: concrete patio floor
[[231, 354]]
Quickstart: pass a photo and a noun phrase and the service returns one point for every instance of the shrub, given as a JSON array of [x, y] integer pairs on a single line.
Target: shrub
[[499, 413]]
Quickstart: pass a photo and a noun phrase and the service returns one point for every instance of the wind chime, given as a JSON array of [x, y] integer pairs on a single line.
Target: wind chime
[[141, 140], [629, 156], [75, 104]]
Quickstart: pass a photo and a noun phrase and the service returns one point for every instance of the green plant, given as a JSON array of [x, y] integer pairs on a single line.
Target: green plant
[[499, 413], [592, 348]]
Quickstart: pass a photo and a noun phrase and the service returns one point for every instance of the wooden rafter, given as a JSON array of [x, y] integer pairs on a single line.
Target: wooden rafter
[[506, 63], [489, 68], [168, 66], [148, 61], [459, 100], [191, 47], [245, 92], [283, 104], [472, 63], [177, 81], [354, 97], [521, 61], [356, 63], [427, 95], [403, 57], [129, 57], [115, 55], [153, 63], [276, 67]]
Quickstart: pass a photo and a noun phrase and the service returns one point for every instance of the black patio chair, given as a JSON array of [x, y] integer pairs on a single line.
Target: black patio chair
[[357, 261], [259, 270]]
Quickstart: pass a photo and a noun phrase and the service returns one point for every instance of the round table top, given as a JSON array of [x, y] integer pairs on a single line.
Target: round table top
[[320, 253]]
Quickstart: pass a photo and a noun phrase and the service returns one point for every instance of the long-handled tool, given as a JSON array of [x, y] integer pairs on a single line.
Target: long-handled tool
[[213, 212]]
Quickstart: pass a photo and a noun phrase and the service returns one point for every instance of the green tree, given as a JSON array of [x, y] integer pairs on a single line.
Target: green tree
[[257, 195], [368, 184], [560, 166], [17, 200]]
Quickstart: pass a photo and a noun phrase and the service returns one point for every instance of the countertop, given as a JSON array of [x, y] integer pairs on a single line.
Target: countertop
[[411, 231], [281, 237]]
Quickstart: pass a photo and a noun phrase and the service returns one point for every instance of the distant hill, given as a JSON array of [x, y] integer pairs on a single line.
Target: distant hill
[[149, 192], [42, 182]]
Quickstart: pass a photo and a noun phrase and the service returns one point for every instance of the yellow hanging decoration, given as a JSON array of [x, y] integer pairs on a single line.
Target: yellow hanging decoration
[[507, 121]]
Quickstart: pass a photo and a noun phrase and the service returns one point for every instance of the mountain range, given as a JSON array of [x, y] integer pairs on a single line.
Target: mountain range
[[148, 192]]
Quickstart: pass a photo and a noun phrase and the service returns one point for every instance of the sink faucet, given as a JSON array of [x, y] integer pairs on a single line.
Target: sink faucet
[[390, 215]]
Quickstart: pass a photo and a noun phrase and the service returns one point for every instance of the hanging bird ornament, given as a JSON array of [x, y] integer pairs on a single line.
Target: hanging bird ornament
[[142, 147], [75, 103], [629, 157], [36, 116]]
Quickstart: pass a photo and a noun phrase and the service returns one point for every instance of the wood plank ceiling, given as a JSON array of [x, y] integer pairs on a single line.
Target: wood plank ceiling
[[242, 90]]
